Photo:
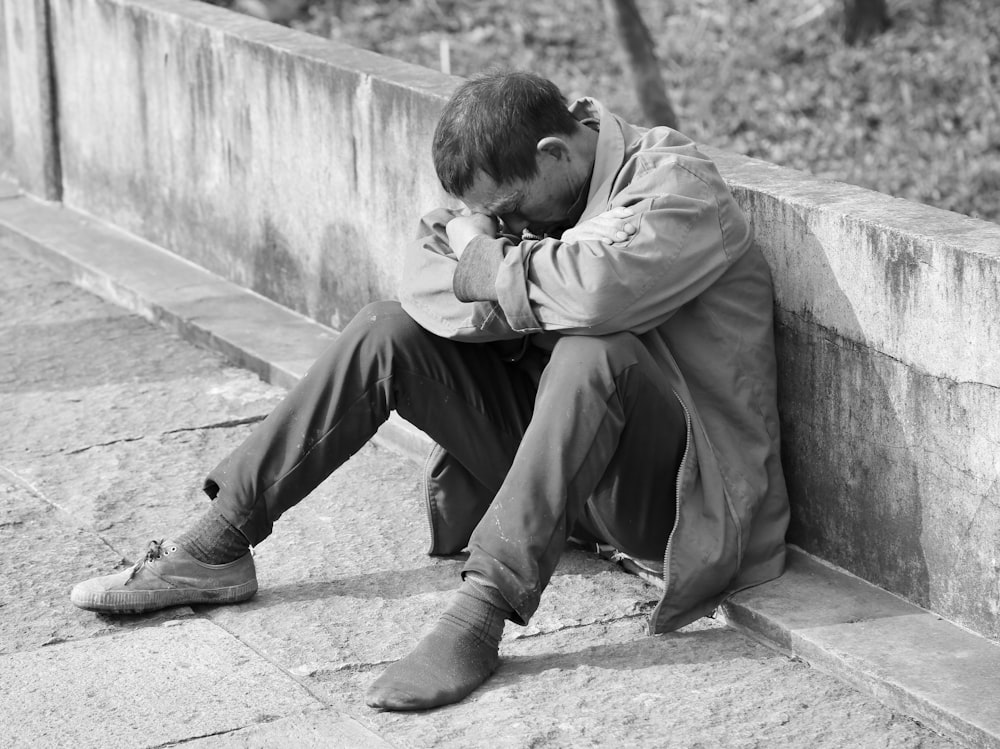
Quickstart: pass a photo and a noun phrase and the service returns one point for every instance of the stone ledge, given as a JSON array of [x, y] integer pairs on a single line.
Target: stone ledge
[[903, 655], [907, 657]]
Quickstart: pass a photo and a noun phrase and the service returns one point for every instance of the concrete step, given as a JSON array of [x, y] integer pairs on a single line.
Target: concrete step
[[909, 658]]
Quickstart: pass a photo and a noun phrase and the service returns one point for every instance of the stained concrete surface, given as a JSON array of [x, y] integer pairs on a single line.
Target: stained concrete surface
[[135, 416], [144, 688]]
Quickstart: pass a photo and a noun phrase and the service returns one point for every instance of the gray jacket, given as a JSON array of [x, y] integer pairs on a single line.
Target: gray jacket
[[694, 288]]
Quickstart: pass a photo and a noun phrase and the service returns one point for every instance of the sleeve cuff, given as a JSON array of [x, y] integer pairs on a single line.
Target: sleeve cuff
[[512, 288], [475, 276]]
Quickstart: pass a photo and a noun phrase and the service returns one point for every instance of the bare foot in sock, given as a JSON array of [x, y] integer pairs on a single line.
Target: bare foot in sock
[[452, 660], [212, 540]]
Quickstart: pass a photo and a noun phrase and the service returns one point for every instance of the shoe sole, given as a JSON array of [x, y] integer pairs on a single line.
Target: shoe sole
[[141, 601]]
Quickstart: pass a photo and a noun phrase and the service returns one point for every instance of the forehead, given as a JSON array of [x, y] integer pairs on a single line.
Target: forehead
[[485, 195]]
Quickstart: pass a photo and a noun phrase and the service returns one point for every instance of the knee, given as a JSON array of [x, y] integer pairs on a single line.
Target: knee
[[375, 313], [382, 329], [385, 320], [585, 367], [585, 353]]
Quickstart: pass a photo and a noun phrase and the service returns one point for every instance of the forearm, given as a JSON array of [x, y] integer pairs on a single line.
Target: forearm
[[475, 276], [426, 289], [599, 287]]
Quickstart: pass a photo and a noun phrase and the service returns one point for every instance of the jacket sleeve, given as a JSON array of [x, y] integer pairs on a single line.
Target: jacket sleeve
[[427, 295], [689, 230]]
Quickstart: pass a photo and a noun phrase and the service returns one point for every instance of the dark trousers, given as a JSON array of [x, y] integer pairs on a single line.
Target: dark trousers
[[583, 439]]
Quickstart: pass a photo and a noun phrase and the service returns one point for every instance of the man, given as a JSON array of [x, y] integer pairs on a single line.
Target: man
[[589, 345]]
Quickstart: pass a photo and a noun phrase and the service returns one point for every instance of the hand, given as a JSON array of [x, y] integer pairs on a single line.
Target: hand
[[462, 229], [611, 226]]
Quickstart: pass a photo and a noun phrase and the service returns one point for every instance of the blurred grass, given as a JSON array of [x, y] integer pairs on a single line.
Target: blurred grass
[[916, 114]]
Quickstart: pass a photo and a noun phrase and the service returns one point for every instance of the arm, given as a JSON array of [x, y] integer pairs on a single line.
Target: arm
[[689, 230], [481, 251], [426, 289]]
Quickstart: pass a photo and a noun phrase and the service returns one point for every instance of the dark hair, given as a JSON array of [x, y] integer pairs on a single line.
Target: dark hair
[[493, 122]]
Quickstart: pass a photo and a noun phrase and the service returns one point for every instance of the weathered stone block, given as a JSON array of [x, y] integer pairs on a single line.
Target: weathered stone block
[[29, 150]]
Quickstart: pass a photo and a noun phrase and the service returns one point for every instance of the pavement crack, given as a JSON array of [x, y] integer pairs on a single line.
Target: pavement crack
[[118, 441], [582, 624], [179, 430], [219, 424], [236, 731], [199, 737], [359, 667]]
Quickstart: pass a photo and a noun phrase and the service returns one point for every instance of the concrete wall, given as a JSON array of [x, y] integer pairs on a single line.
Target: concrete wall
[[6, 118], [888, 316], [297, 167], [286, 163], [28, 119]]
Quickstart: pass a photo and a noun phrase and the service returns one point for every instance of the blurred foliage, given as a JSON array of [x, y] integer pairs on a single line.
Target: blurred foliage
[[915, 114]]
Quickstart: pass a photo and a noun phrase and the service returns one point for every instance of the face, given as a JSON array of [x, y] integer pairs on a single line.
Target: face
[[539, 204]]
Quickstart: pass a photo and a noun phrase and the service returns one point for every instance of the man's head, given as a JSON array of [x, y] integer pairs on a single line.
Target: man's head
[[507, 145]]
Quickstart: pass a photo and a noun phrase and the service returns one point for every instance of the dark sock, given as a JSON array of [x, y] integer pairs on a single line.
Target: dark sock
[[453, 658], [212, 540]]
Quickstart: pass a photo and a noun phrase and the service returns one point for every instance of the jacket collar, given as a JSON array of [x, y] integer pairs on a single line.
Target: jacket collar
[[609, 157]]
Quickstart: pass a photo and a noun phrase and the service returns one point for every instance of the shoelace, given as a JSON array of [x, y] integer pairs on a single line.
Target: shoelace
[[154, 552]]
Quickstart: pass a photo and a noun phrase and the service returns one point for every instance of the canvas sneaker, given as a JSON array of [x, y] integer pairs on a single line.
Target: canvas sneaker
[[167, 576]]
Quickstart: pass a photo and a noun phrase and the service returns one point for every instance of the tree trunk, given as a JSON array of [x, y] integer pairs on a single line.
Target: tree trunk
[[937, 12], [864, 19], [640, 58]]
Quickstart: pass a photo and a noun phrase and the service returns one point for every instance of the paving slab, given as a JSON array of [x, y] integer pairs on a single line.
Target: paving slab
[[612, 685], [21, 271], [181, 680], [318, 729], [63, 386], [79, 419], [41, 556], [131, 491], [33, 298]]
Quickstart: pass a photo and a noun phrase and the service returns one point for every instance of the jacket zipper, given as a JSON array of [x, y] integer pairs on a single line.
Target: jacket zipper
[[427, 500], [677, 499], [677, 511]]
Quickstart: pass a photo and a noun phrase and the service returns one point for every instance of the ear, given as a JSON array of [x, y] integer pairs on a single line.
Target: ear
[[552, 146]]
